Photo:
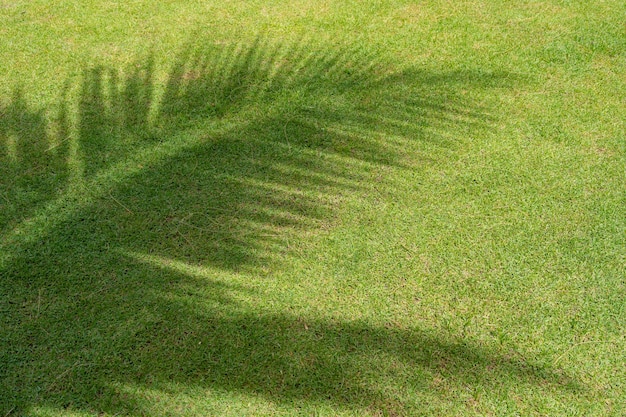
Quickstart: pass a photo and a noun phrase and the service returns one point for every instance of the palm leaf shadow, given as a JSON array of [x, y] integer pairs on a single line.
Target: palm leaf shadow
[[243, 180]]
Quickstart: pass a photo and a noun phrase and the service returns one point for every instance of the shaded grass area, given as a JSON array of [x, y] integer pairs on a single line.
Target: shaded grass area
[[124, 217]]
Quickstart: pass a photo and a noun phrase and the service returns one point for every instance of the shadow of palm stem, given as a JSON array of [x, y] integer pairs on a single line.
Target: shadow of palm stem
[[110, 211]]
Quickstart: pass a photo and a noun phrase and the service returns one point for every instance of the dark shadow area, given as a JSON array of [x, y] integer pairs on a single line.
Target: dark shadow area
[[33, 164], [244, 147]]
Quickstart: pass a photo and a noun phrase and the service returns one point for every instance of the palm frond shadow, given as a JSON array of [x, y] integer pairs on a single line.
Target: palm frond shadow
[[240, 148]]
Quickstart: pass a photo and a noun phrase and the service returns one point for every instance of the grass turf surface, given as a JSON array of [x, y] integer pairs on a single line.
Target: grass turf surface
[[316, 209]]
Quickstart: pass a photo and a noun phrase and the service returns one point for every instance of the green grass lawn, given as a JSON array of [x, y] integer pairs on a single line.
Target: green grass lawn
[[316, 208]]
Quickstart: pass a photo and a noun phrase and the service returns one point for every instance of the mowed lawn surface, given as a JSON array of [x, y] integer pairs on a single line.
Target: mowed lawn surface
[[328, 208]]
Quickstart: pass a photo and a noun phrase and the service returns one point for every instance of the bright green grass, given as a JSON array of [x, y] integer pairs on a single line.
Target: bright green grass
[[314, 208]]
